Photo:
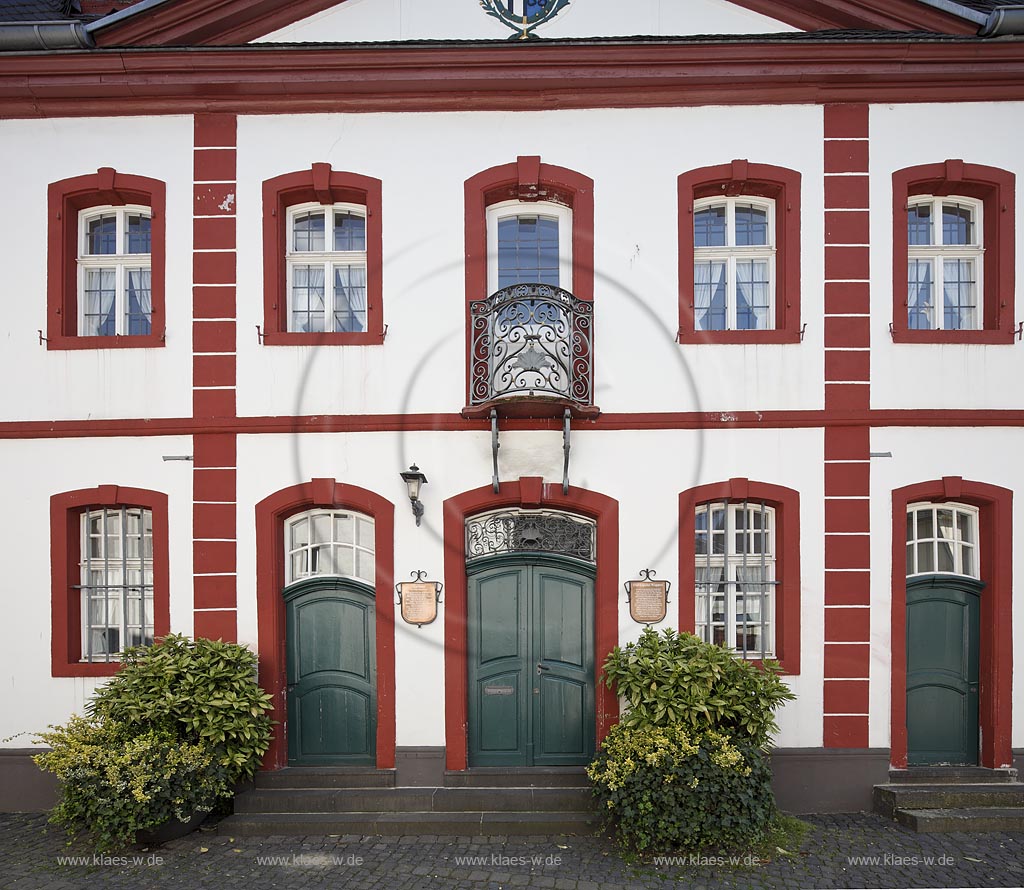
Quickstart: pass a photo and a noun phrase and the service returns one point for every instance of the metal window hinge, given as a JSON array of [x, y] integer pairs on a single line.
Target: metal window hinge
[[1019, 332], [891, 332], [259, 335], [42, 339], [803, 330]]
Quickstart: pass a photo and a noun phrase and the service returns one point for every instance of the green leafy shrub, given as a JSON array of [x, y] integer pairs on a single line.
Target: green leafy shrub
[[205, 691], [672, 678], [668, 788], [117, 780]]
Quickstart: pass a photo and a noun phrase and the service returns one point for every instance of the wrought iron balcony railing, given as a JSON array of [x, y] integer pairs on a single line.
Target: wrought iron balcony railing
[[532, 342]]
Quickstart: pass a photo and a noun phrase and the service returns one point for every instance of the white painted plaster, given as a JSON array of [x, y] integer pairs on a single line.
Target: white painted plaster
[[947, 375], [421, 366], [31, 472], [92, 383]]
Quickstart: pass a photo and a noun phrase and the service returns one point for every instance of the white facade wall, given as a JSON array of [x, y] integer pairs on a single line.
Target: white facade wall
[[424, 162], [96, 384]]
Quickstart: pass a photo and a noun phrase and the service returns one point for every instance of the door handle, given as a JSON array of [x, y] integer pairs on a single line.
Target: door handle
[[542, 667]]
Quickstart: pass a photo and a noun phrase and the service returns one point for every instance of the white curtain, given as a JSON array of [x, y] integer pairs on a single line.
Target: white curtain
[[350, 298], [708, 293]]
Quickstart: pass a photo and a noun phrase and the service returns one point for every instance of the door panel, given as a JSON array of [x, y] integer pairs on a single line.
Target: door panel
[[942, 670], [531, 666], [332, 686]]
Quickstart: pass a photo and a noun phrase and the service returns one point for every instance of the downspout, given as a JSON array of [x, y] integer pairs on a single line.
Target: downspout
[[28, 36], [1005, 22]]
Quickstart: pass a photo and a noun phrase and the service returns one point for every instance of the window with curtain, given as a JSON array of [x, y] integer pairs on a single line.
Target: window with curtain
[[734, 552], [944, 247], [942, 538], [115, 272], [733, 264], [326, 261], [117, 581]]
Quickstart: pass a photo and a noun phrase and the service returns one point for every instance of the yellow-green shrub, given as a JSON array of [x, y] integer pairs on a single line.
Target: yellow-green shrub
[[116, 780], [668, 788]]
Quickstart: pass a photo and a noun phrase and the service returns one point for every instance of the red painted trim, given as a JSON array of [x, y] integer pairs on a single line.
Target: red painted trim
[[605, 511], [527, 180], [221, 624], [786, 503], [897, 15], [325, 186], [65, 572], [270, 573], [743, 178], [361, 423], [995, 507], [206, 23], [65, 201], [996, 188], [264, 79]]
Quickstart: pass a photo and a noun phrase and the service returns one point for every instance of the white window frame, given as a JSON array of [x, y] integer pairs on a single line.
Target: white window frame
[[730, 560], [731, 252], [939, 253], [913, 543], [124, 591], [327, 258], [551, 209], [119, 261], [310, 546]]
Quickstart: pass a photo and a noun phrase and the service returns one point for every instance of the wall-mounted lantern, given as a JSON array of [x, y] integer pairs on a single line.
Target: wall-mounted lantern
[[648, 599], [414, 480], [418, 599]]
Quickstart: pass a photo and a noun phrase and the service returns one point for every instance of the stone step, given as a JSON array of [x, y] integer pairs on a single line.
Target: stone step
[[486, 823], [398, 800], [951, 775], [518, 777], [325, 777], [921, 796], [962, 819]]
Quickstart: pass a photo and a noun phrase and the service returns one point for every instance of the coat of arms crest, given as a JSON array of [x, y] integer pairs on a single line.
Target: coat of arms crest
[[523, 15]]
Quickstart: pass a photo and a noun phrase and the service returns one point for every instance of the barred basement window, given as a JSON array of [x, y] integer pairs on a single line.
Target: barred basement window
[[117, 581], [330, 542], [734, 549], [942, 538]]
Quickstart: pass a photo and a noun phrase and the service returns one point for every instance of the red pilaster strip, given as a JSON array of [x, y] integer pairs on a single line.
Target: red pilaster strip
[[214, 495], [847, 388]]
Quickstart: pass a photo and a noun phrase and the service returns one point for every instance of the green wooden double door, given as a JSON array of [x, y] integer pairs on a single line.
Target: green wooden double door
[[531, 662], [943, 637], [332, 673]]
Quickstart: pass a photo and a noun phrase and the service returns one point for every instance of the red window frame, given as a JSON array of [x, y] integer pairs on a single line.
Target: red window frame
[[737, 178], [996, 189], [66, 199], [786, 503], [66, 510], [320, 184]]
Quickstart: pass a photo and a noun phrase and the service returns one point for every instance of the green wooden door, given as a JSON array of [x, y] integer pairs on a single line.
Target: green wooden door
[[332, 676], [942, 670], [531, 663]]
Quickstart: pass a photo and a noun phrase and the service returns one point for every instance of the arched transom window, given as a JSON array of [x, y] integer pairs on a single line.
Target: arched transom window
[[942, 538], [335, 543]]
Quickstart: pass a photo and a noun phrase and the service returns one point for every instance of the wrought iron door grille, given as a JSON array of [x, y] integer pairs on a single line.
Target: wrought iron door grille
[[531, 340], [516, 531]]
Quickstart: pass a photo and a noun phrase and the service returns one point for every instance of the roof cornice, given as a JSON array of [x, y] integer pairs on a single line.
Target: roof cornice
[[236, 22], [267, 79]]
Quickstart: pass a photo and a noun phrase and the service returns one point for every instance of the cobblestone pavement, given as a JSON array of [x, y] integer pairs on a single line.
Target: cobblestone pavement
[[833, 855]]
